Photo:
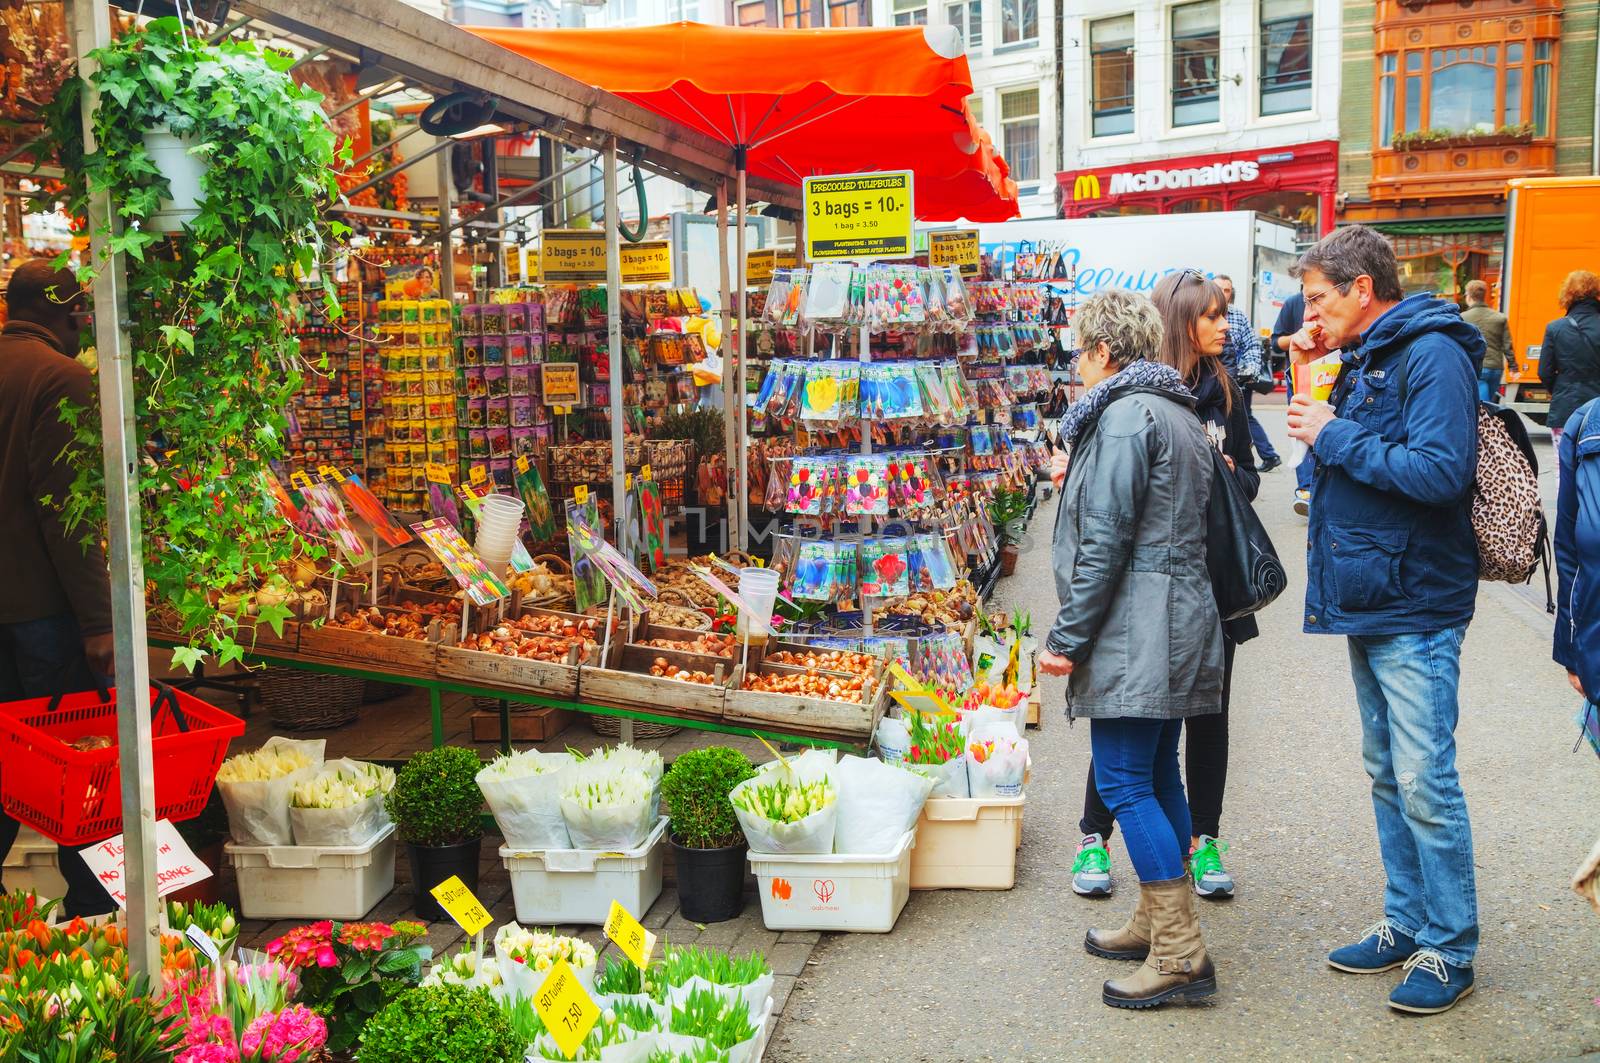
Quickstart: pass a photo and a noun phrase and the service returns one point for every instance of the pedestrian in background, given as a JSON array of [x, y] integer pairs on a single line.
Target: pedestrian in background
[[1498, 355], [1392, 563], [1240, 354], [1195, 325], [1137, 634], [1577, 548], [1291, 319], [55, 593], [1569, 359]]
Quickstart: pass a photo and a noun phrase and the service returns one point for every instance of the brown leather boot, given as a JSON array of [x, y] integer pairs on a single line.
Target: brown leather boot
[[1131, 941], [1177, 967]]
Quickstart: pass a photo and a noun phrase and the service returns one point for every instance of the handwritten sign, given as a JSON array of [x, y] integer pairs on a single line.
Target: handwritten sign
[[569, 1013], [758, 266], [456, 899], [630, 935], [176, 864]]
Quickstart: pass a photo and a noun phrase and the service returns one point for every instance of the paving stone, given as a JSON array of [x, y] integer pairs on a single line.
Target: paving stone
[[799, 937], [788, 959], [782, 986], [723, 933], [751, 940], [678, 925], [661, 911]]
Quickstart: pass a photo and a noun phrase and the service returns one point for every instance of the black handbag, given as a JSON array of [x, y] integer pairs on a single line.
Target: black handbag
[[1246, 575]]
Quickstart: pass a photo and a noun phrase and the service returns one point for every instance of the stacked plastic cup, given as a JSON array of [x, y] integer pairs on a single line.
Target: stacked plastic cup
[[759, 589], [499, 520]]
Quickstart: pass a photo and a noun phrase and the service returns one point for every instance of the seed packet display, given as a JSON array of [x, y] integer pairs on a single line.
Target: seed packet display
[[884, 571], [824, 571], [588, 582], [938, 567], [807, 481], [364, 502], [530, 486], [866, 493], [769, 385], [827, 295]]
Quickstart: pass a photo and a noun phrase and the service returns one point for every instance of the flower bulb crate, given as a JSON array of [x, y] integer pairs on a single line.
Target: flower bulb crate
[[313, 881], [486, 668], [629, 684], [968, 843], [578, 885], [33, 866], [823, 715], [862, 894], [391, 654]]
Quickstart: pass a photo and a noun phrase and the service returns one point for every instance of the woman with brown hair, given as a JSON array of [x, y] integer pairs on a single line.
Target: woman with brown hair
[[1194, 317], [1569, 360]]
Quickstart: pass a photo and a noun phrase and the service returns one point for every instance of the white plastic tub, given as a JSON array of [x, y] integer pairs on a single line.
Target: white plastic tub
[[968, 843], [578, 885], [313, 881], [33, 865], [826, 892]]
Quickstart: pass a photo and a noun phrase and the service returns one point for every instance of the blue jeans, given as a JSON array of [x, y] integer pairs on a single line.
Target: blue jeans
[[38, 659], [1136, 772], [1489, 384], [1258, 434], [1406, 686]]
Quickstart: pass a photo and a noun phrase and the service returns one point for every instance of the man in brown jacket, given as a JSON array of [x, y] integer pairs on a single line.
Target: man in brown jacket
[[1499, 355], [55, 604]]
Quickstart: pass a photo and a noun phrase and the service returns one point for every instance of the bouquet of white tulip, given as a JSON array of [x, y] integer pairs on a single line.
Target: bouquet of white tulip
[[341, 805], [255, 788], [607, 806], [791, 806], [524, 793]]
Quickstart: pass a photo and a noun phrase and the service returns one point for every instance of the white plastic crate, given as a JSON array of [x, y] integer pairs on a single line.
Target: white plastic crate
[[33, 864], [313, 881], [827, 892], [578, 885], [968, 843]]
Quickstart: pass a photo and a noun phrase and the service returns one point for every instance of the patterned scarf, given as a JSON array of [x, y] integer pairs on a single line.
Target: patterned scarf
[[1087, 410]]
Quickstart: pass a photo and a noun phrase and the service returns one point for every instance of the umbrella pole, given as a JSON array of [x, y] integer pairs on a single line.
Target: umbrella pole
[[732, 410], [741, 482], [619, 412]]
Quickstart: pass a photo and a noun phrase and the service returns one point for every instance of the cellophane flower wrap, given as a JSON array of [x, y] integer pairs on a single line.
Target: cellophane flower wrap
[[608, 805], [878, 803], [341, 804], [937, 751], [524, 793], [465, 968], [525, 958], [255, 788], [790, 806]]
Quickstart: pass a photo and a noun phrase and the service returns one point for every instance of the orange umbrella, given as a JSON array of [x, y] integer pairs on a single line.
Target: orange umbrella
[[796, 103]]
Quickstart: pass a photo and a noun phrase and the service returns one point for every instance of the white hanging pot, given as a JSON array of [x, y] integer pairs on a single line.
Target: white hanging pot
[[183, 172]]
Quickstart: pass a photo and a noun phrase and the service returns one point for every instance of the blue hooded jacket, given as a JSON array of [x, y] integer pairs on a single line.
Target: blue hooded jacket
[[1391, 549], [1577, 647]]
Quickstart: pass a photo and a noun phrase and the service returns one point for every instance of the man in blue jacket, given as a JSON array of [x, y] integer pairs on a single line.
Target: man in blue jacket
[[1577, 549], [1393, 566]]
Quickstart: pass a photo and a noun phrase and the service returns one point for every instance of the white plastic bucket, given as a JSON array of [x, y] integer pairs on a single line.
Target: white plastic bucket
[[759, 589]]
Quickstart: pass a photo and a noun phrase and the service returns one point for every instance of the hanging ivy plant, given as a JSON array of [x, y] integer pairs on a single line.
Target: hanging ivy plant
[[211, 311]]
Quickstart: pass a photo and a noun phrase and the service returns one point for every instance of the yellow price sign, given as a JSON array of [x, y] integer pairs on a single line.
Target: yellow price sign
[[566, 1008], [559, 384], [859, 216], [644, 473], [523, 464], [915, 696], [627, 481], [455, 898], [956, 247], [478, 474], [758, 266], [580, 494], [299, 480], [580, 255], [631, 937], [437, 473]]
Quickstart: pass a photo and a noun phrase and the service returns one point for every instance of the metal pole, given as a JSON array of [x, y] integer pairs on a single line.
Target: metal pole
[[619, 504], [91, 25], [447, 262], [732, 409], [491, 188], [739, 499]]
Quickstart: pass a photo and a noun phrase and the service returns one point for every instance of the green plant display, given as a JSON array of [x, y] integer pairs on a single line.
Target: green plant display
[[1423, 138], [436, 800], [211, 312], [696, 792], [441, 1024], [1008, 505], [721, 1020], [702, 425], [678, 965]]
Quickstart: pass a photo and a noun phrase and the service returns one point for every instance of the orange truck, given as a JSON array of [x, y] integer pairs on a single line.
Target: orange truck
[[1550, 231]]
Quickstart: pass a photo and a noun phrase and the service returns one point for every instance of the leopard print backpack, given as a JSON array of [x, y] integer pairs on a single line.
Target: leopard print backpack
[[1507, 516]]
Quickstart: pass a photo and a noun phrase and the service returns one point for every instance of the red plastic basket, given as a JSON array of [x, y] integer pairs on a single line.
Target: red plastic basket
[[75, 796]]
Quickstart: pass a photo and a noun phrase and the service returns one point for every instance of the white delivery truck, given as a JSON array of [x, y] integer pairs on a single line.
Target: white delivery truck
[[1082, 256]]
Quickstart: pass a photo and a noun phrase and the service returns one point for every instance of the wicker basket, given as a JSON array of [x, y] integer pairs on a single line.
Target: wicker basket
[[611, 727], [309, 701]]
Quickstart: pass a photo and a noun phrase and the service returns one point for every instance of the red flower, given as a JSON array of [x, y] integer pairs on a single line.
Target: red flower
[[366, 937]]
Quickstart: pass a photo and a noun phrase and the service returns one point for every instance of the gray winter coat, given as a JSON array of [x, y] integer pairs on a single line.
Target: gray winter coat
[[1137, 618]]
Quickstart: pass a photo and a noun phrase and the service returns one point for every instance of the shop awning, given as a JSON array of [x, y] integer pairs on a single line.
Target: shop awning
[[802, 102], [1440, 227]]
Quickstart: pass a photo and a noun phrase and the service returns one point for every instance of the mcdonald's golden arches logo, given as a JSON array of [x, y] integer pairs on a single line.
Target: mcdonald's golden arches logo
[[1085, 186]]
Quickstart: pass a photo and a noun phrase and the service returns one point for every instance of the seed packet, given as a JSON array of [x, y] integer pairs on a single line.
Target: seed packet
[[521, 411], [807, 481], [497, 382], [499, 443], [477, 413], [478, 443], [530, 485], [470, 323], [866, 493], [827, 295], [824, 571], [884, 568], [520, 379], [936, 559], [499, 413], [516, 318], [769, 384]]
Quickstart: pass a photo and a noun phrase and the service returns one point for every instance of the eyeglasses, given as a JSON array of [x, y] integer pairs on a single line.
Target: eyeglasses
[[1314, 301], [1192, 272]]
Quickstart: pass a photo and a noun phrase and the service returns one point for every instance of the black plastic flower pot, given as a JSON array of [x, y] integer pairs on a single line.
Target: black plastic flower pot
[[433, 864], [710, 882]]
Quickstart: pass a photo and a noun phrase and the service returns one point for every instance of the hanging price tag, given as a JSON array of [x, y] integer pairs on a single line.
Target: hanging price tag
[[437, 473], [569, 1013], [580, 494], [478, 474], [201, 940], [468, 912], [644, 473], [299, 480], [631, 937], [523, 464], [627, 481]]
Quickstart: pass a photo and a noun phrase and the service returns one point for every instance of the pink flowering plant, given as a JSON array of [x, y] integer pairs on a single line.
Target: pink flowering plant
[[243, 1015], [349, 971]]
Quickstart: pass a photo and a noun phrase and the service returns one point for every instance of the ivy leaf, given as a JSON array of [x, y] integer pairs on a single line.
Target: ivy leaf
[[187, 657], [179, 337], [273, 616], [163, 80]]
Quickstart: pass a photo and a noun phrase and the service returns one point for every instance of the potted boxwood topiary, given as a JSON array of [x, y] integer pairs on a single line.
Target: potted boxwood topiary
[[441, 1024], [704, 833], [437, 808]]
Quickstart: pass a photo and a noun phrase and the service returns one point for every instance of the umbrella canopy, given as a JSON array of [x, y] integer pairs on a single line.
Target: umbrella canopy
[[802, 102]]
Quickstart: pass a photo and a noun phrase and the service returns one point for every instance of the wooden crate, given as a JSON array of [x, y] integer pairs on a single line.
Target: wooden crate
[[371, 651], [817, 715], [528, 723], [557, 679], [265, 640], [628, 684]]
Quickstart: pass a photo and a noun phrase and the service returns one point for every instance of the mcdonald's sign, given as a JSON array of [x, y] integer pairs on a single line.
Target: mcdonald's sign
[[1085, 186]]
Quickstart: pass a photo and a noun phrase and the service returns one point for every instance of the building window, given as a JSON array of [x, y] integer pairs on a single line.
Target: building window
[[1466, 89], [1019, 20], [796, 14], [967, 18], [847, 13], [1111, 76], [1285, 56], [910, 12], [685, 10], [975, 105], [1196, 42], [1019, 133], [750, 13]]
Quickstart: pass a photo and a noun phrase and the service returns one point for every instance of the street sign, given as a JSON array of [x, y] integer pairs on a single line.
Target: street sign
[[859, 216], [956, 247]]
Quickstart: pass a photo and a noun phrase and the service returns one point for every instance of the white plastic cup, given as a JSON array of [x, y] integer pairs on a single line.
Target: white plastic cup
[[759, 589]]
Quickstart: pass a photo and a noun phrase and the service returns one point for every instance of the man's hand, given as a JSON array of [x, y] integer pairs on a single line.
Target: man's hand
[[1577, 684], [1306, 346], [1307, 417], [1054, 663], [1058, 467], [101, 650]]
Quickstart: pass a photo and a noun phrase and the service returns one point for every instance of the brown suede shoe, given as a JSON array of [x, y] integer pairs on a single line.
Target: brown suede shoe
[[1177, 967], [1131, 941]]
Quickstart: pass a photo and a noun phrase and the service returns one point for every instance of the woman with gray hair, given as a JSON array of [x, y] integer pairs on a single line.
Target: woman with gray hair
[[1137, 634]]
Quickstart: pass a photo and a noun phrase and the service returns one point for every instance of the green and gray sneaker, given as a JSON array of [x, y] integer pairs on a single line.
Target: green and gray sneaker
[[1091, 871], [1211, 879]]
